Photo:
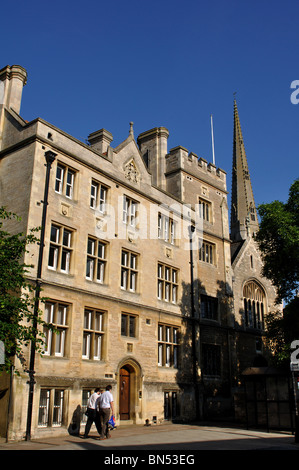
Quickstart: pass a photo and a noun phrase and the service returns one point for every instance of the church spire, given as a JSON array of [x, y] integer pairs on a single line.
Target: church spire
[[244, 221]]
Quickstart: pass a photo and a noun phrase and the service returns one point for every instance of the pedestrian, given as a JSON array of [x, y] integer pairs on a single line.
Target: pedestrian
[[92, 412], [106, 406]]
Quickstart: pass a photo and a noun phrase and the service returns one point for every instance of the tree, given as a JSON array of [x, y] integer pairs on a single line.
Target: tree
[[278, 241], [282, 330], [17, 294]]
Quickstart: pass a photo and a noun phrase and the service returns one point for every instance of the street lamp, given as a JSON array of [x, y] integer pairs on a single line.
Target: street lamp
[[50, 157]]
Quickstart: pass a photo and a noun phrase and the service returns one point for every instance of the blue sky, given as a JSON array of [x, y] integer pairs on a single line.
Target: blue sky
[[99, 64]]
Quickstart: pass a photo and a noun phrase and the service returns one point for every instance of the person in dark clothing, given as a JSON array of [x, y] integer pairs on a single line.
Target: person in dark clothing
[[92, 412]]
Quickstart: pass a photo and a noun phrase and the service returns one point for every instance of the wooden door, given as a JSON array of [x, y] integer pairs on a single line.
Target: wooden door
[[124, 394]]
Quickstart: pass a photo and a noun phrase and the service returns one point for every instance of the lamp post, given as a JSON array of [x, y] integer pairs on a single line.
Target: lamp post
[[50, 157], [195, 382]]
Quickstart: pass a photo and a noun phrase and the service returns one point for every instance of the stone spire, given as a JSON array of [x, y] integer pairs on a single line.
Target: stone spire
[[244, 221]]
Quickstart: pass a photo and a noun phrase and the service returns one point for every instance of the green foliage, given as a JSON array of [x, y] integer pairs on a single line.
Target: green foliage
[[281, 331], [17, 294], [278, 241]]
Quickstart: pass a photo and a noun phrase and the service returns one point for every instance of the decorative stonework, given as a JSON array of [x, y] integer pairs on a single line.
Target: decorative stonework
[[131, 172]]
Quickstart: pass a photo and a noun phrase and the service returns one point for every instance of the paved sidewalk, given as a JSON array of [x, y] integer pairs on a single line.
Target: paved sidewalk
[[171, 437]]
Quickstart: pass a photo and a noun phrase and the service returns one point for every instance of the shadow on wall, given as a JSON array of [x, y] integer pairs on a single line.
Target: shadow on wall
[[77, 418]]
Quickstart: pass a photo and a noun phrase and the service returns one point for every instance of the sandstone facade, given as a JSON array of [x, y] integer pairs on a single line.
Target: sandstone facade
[[117, 275]]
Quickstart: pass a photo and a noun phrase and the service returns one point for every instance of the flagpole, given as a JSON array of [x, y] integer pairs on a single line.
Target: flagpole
[[212, 139]]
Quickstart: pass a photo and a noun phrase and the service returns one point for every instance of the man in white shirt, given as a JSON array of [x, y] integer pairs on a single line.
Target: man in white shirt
[[92, 413], [106, 406]]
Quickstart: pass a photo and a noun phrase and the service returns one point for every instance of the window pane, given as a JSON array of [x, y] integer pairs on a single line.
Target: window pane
[[53, 255], [98, 321], [97, 347], [160, 355], [168, 350], [133, 214], [174, 294], [160, 333], [124, 320], [133, 261], [61, 314], [86, 345], [103, 192], [90, 246], [175, 335], [124, 258], [101, 250], [124, 275], [175, 356], [69, 184], [89, 268], [49, 312], [93, 195], [167, 292], [67, 238], [43, 415], [54, 236], [59, 179], [133, 281], [65, 260], [87, 319], [58, 407], [101, 271], [132, 327], [59, 346], [125, 209], [160, 289]]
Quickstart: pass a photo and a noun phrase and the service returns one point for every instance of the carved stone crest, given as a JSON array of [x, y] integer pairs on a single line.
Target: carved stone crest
[[131, 173]]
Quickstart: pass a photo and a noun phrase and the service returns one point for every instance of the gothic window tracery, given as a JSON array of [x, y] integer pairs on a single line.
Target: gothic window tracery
[[254, 305]]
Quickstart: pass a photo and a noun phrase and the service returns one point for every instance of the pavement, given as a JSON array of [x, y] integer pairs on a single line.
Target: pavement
[[176, 439]]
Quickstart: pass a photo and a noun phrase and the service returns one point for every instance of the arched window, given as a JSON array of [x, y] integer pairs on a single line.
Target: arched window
[[254, 302]]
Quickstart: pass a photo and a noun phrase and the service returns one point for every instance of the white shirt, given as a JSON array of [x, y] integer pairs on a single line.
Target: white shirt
[[92, 401], [105, 399]]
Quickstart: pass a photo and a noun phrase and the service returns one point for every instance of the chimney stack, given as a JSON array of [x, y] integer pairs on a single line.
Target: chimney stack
[[13, 79], [100, 140], [153, 144]]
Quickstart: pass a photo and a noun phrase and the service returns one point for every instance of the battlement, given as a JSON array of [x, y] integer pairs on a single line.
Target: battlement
[[179, 158]]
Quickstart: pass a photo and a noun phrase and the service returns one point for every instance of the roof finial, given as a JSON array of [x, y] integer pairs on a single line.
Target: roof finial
[[131, 129]]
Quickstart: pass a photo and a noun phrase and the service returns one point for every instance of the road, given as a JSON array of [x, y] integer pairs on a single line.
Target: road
[[173, 438]]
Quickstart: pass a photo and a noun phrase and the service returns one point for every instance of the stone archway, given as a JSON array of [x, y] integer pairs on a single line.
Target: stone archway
[[129, 393]]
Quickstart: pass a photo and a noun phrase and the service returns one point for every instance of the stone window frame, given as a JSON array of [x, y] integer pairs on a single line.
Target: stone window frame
[[167, 283], [98, 196], [168, 345], [97, 259], [93, 334], [56, 343], [61, 248], [65, 181], [52, 407], [129, 275]]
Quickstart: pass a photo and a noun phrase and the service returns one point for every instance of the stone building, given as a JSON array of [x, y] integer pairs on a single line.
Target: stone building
[[146, 288]]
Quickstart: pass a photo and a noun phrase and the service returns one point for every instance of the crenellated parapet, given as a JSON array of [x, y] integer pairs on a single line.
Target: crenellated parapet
[[180, 159]]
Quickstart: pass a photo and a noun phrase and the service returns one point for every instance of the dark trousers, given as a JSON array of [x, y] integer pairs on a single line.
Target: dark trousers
[[104, 418], [93, 417]]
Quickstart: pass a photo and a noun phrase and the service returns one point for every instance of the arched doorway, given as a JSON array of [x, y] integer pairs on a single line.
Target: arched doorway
[[124, 393], [130, 379]]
